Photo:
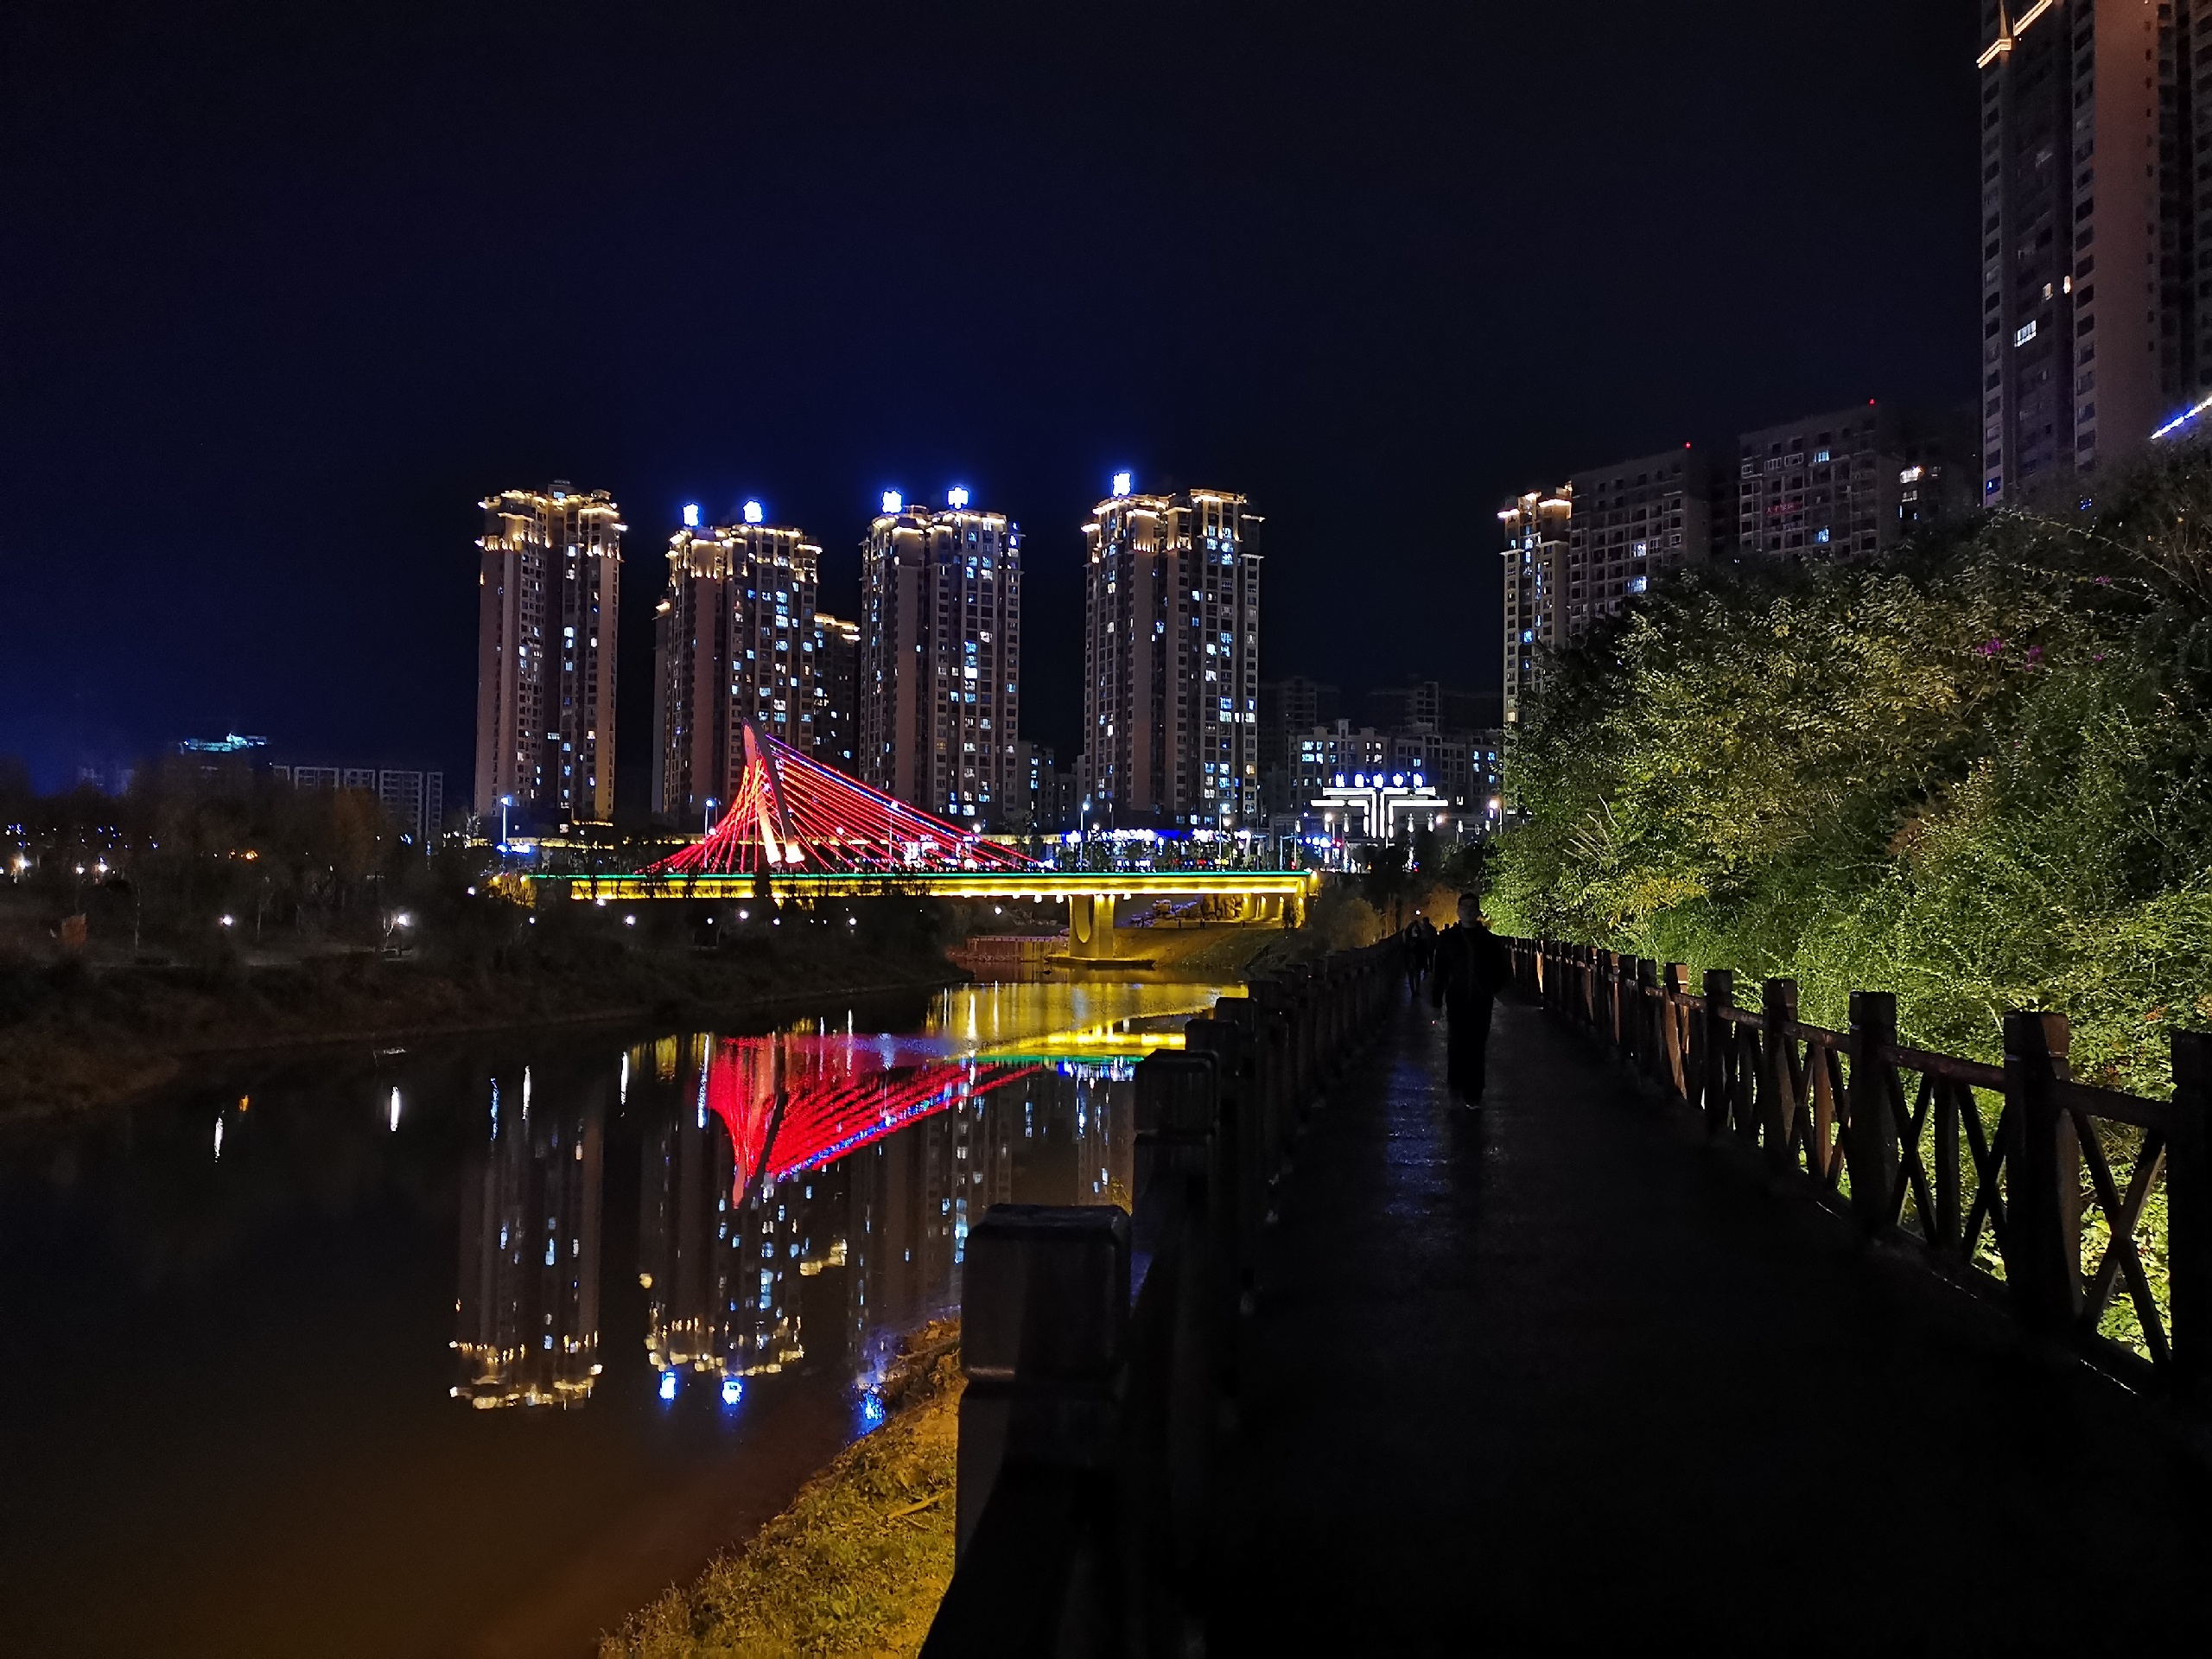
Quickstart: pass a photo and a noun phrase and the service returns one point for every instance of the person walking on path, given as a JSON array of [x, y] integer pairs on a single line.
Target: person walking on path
[[1471, 968], [1421, 949]]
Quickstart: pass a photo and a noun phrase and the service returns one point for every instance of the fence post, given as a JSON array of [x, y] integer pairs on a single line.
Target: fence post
[[1870, 1130], [1719, 998], [2044, 1198], [2188, 1213], [1778, 1092], [1647, 1024], [1673, 984], [1045, 1313]]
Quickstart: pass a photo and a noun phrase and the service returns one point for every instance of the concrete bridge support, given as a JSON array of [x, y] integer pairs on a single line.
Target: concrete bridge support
[[1090, 926]]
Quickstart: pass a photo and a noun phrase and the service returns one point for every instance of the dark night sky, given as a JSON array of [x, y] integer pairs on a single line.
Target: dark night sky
[[287, 289]]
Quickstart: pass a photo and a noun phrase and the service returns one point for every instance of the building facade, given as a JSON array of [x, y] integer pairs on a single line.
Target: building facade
[[735, 640], [1536, 568], [548, 615], [1579, 553], [836, 716], [1826, 485], [1045, 803], [2093, 329], [416, 800], [1461, 767], [1628, 524], [1171, 692], [940, 667]]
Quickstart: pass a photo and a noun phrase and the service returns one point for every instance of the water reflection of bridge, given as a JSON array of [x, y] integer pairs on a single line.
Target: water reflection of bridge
[[807, 1186]]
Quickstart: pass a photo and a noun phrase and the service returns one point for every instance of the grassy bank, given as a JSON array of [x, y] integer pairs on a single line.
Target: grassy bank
[[73, 1037], [860, 1560]]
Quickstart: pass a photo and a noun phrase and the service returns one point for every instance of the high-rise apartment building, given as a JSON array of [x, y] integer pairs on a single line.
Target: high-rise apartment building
[[1829, 484], [2093, 328], [941, 658], [1536, 568], [837, 718], [1578, 554], [1171, 692], [1630, 523], [735, 640], [547, 617]]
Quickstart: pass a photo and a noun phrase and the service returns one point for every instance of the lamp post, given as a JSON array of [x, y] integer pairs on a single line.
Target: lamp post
[[707, 820], [505, 801]]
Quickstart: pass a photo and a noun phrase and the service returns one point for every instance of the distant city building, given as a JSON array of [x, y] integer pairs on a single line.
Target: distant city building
[[1288, 708], [232, 744], [414, 800], [837, 718], [1429, 702], [2069, 378], [1630, 524], [1048, 794], [1325, 751], [735, 638], [1535, 567], [1171, 695], [1579, 553], [1827, 484], [1460, 767], [940, 667], [548, 614]]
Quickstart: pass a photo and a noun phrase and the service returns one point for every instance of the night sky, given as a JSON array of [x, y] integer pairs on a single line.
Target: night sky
[[288, 289]]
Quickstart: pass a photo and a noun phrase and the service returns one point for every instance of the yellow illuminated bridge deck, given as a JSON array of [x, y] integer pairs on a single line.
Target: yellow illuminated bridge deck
[[1296, 886]]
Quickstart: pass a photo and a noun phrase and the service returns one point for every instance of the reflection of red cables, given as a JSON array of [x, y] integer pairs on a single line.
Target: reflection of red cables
[[829, 1107], [790, 814]]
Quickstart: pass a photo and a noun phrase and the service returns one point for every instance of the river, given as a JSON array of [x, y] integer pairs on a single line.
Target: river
[[470, 1348]]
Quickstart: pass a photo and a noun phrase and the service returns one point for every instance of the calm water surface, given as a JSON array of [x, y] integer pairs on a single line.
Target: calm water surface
[[472, 1349]]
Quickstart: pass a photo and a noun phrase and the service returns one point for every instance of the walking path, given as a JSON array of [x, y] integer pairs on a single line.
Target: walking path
[[1558, 1374]]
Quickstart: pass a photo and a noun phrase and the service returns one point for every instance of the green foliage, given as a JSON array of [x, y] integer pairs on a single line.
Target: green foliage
[[1978, 774]]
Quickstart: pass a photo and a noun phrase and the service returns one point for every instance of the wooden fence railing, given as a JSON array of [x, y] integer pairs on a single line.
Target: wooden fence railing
[[2014, 1176], [1102, 1347]]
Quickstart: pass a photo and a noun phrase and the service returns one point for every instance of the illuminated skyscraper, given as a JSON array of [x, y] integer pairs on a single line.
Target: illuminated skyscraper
[[735, 640], [547, 616], [1171, 657], [836, 719], [941, 658], [2094, 333], [1535, 575], [1579, 553]]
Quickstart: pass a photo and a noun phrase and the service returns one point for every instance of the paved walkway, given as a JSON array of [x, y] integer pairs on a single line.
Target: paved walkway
[[1557, 1375]]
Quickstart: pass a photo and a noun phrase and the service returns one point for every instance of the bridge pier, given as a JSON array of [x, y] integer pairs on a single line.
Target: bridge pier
[[1090, 926]]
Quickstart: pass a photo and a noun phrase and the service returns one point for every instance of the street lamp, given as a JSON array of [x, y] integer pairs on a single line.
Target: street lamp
[[505, 801], [707, 821]]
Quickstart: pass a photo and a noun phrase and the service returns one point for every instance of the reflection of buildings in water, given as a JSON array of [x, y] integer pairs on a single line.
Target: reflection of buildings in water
[[714, 1237], [528, 1306], [916, 1196], [803, 1156], [1096, 1145]]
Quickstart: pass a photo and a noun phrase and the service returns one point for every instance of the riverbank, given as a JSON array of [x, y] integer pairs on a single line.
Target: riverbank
[[859, 1561], [74, 1039]]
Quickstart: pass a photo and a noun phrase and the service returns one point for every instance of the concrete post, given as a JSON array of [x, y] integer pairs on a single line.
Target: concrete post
[[1045, 1314]]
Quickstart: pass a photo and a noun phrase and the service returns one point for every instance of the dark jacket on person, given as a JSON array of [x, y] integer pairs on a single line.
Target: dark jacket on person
[[1472, 967]]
